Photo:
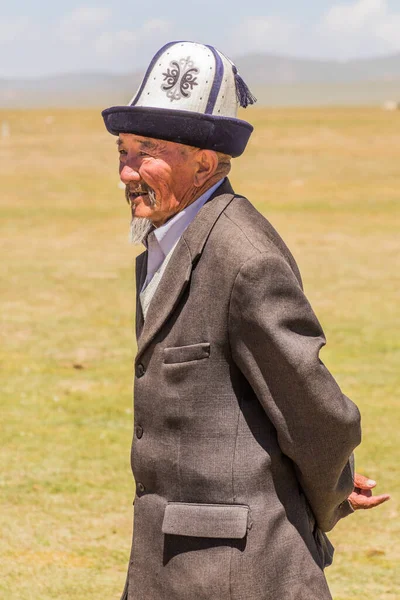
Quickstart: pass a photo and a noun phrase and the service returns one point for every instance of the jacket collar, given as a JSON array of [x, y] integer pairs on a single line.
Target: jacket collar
[[178, 272]]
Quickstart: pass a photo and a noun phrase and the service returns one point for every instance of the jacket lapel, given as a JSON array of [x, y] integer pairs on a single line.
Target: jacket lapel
[[141, 271], [178, 272]]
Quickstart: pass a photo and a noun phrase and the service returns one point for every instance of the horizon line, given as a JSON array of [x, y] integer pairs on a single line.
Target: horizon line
[[117, 73]]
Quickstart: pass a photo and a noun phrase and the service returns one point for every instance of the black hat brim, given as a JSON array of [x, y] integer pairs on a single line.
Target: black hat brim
[[209, 132]]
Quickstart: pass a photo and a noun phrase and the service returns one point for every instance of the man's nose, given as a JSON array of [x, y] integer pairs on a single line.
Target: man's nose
[[128, 175]]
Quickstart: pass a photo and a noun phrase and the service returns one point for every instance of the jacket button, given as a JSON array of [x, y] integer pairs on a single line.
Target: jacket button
[[138, 431], [140, 370], [140, 488]]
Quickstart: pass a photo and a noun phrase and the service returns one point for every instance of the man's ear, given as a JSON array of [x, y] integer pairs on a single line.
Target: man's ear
[[206, 166]]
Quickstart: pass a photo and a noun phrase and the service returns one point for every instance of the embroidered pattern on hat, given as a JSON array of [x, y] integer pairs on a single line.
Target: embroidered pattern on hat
[[180, 79]]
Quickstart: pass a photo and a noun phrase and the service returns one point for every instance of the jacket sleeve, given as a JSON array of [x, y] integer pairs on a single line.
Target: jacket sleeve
[[276, 339]]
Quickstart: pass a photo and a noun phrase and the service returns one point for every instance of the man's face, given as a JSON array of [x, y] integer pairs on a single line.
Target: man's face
[[158, 175]]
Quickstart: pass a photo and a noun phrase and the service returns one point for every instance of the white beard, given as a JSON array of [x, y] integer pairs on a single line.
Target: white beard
[[140, 227]]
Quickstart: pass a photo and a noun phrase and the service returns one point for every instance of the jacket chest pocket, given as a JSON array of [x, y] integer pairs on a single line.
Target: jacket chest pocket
[[182, 354], [221, 521]]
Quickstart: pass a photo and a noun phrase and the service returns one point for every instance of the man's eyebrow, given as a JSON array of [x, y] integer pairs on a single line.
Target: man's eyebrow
[[146, 144], [150, 145]]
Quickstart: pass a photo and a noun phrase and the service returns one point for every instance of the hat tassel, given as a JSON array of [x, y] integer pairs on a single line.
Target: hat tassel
[[244, 96]]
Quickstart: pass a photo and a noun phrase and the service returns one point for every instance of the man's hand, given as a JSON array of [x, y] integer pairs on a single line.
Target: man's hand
[[361, 497]]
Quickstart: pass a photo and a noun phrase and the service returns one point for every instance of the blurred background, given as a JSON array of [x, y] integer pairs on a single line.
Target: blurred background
[[322, 165], [292, 53]]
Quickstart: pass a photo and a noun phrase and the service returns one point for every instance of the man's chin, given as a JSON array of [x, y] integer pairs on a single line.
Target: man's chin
[[139, 228]]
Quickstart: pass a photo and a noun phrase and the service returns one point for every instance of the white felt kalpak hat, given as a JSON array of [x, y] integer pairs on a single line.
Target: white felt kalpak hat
[[190, 94]]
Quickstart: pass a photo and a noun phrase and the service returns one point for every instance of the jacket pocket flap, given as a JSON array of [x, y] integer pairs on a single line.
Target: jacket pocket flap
[[206, 520], [181, 354]]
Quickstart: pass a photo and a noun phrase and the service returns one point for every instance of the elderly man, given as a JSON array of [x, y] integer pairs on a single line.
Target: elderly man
[[242, 440]]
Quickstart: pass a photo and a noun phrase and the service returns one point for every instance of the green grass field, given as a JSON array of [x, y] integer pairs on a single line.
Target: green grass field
[[329, 180]]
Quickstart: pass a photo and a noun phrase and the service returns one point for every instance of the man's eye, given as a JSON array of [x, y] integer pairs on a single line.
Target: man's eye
[[143, 154], [122, 152]]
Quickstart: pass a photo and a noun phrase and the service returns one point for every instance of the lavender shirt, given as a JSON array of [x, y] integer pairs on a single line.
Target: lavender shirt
[[160, 241]]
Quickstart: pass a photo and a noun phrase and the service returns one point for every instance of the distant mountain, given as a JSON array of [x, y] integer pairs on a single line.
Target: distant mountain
[[71, 89], [276, 80], [268, 69]]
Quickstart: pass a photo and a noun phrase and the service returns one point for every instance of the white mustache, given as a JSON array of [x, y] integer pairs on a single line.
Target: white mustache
[[138, 191]]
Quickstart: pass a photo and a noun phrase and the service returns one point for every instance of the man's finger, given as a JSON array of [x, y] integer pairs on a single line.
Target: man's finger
[[359, 501], [367, 493], [364, 483]]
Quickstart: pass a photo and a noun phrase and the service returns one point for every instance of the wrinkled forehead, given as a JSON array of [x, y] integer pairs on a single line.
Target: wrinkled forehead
[[140, 143], [131, 139]]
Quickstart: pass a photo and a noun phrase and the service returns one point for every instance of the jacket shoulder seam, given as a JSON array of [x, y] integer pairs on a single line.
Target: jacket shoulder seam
[[268, 242]]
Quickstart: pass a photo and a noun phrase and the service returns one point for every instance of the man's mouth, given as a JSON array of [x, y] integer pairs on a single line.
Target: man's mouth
[[137, 193], [132, 194]]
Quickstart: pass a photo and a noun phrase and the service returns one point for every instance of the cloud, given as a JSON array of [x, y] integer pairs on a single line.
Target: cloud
[[84, 20], [18, 29], [263, 34], [354, 17], [349, 29], [368, 24], [118, 42], [389, 31], [107, 41]]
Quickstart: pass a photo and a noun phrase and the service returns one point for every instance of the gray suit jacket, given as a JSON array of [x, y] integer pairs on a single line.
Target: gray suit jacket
[[242, 437]]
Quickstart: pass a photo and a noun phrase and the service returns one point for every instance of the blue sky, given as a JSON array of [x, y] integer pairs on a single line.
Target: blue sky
[[45, 37]]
